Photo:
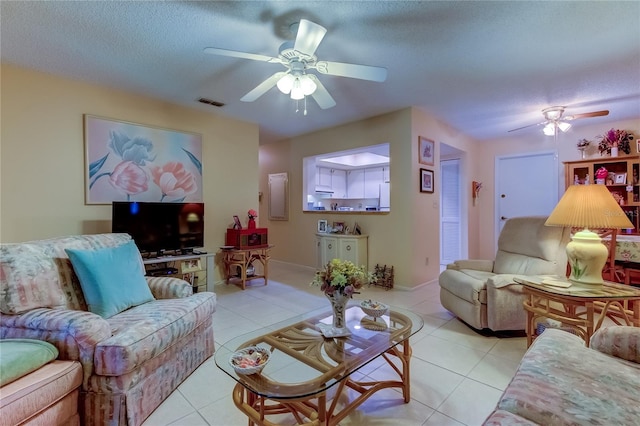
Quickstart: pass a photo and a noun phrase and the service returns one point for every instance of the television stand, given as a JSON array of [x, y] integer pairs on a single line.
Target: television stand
[[182, 263]]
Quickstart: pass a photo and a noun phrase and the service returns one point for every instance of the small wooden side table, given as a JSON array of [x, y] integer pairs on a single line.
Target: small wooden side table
[[576, 307], [240, 259]]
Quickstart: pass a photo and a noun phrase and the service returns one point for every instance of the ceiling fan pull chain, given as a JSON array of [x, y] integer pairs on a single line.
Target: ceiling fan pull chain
[[297, 106], [305, 105]]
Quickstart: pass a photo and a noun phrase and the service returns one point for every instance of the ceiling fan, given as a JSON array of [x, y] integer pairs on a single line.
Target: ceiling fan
[[298, 57], [555, 119]]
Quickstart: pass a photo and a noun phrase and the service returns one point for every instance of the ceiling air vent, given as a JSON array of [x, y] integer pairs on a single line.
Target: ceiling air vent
[[210, 102]]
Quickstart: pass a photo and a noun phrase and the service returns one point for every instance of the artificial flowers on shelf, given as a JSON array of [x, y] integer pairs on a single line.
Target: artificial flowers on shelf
[[252, 219], [615, 139], [342, 276], [601, 174], [583, 143]]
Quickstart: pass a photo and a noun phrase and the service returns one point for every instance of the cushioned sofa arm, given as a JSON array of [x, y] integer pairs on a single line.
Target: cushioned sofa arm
[[169, 287], [619, 341], [475, 264], [74, 333]]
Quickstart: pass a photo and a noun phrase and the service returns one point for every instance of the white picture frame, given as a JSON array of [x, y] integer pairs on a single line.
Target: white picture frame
[[620, 179], [322, 226]]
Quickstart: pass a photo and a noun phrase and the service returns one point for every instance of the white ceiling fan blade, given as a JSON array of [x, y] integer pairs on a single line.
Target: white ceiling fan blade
[[321, 95], [363, 72], [243, 55], [263, 87], [309, 37]]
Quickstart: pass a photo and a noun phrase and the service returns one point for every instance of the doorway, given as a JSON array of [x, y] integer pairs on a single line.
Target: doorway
[[453, 229], [526, 185]]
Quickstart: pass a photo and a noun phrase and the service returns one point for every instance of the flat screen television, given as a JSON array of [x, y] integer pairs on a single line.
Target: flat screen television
[[160, 227]]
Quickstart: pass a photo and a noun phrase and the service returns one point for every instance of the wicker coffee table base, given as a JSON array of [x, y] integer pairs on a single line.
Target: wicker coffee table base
[[318, 409]]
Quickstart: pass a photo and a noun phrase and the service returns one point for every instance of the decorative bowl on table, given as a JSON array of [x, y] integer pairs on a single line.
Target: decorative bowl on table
[[249, 360], [373, 308]]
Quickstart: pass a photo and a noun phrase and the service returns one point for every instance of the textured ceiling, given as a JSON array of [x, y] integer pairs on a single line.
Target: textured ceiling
[[482, 67]]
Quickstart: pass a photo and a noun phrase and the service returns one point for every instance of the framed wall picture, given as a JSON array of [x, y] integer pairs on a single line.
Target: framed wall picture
[[426, 149], [426, 180], [236, 222], [133, 162], [322, 226]]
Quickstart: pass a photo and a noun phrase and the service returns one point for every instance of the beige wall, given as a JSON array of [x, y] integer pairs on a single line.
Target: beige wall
[[42, 171], [42, 160], [407, 235]]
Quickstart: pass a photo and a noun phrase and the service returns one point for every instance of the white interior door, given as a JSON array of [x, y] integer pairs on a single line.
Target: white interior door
[[450, 211], [526, 185]]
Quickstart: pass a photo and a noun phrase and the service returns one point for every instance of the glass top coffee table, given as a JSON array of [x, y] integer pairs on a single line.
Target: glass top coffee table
[[307, 372]]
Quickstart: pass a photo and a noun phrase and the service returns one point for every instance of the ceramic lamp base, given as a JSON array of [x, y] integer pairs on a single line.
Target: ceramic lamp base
[[587, 256]]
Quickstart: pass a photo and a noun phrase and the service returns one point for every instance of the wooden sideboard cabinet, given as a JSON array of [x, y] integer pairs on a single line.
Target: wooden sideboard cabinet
[[342, 246], [624, 172]]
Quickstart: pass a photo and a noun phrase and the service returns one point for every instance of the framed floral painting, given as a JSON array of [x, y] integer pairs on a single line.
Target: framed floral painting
[[425, 151], [132, 162], [426, 180]]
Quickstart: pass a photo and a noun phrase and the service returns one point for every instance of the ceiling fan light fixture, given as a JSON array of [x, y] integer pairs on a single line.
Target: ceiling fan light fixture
[[302, 86], [549, 129], [285, 84], [564, 126], [296, 90], [307, 85]]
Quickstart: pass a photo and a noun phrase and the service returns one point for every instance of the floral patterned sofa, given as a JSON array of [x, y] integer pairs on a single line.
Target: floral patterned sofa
[[132, 360], [562, 382]]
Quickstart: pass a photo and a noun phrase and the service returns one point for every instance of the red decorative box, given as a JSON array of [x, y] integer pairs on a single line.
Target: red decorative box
[[247, 238]]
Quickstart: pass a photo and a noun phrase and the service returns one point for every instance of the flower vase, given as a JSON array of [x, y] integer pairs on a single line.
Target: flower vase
[[582, 150], [614, 151], [252, 223], [338, 326]]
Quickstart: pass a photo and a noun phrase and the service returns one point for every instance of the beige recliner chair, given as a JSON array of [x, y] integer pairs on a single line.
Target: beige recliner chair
[[482, 292]]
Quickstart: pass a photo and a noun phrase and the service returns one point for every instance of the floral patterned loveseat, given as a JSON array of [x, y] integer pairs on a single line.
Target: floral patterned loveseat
[[562, 382], [132, 360]]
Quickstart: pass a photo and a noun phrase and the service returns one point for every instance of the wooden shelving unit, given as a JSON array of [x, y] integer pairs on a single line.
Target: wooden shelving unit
[[582, 170]]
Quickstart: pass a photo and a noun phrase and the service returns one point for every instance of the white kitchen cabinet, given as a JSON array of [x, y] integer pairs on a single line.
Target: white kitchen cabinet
[[355, 183], [323, 177], [339, 246], [339, 183]]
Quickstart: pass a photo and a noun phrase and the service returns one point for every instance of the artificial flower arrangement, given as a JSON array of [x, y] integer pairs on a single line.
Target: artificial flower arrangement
[[615, 138], [252, 214], [583, 143], [602, 173], [342, 276]]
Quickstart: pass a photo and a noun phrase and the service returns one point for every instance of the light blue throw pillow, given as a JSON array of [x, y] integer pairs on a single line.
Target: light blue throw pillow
[[112, 279]]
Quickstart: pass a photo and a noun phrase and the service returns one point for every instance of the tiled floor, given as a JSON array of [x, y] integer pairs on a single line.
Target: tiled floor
[[457, 375]]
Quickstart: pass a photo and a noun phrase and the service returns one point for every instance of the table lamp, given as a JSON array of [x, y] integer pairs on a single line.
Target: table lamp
[[588, 206]]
